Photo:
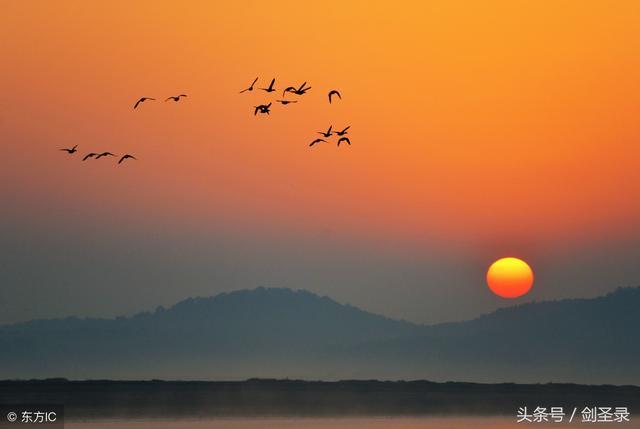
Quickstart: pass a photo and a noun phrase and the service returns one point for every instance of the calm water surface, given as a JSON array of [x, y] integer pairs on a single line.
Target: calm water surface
[[342, 423]]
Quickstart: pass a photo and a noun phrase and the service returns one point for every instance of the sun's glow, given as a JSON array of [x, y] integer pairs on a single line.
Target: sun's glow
[[510, 277]]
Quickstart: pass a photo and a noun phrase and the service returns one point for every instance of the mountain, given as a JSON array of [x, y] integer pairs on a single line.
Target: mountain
[[284, 333]]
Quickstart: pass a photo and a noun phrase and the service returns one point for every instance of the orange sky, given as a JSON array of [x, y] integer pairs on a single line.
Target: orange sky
[[501, 119], [504, 125]]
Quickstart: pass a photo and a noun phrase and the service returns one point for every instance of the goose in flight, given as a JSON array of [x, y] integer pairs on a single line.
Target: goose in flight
[[100, 155], [288, 89], [262, 108], [344, 139], [127, 156], [343, 132], [250, 87], [301, 90], [142, 100], [271, 88], [317, 141], [329, 133], [334, 92], [176, 97], [89, 155], [70, 151], [285, 102]]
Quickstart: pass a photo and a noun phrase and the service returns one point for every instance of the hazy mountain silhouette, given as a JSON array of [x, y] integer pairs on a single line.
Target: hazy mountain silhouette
[[285, 333]]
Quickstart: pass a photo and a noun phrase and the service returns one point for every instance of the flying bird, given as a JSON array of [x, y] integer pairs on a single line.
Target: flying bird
[[284, 102], [70, 151], [250, 87], [344, 139], [343, 132], [271, 88], [127, 156], [262, 108], [142, 100], [328, 133], [301, 90], [317, 141], [288, 89], [176, 97], [100, 155], [89, 155], [334, 92]]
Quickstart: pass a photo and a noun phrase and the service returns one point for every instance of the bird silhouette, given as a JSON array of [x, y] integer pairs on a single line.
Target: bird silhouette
[[127, 156], [301, 89], [262, 108], [100, 155], [70, 151], [176, 97], [142, 100], [317, 141], [271, 88], [286, 101], [250, 87], [334, 92], [344, 139], [288, 89], [89, 155], [328, 133], [343, 132]]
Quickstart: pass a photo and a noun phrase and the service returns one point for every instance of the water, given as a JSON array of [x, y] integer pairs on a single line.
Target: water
[[341, 423]]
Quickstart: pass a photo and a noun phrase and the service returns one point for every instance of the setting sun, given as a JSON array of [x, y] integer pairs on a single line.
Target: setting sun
[[510, 277]]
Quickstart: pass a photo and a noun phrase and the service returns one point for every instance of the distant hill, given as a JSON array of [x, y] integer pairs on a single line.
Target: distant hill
[[297, 334]]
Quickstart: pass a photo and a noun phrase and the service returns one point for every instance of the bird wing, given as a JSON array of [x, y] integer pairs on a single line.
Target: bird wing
[[302, 86], [273, 81], [122, 159], [182, 95], [89, 155], [254, 82], [169, 98], [345, 129], [137, 102]]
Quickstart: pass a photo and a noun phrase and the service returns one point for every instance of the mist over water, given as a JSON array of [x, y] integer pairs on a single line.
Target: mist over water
[[334, 423]]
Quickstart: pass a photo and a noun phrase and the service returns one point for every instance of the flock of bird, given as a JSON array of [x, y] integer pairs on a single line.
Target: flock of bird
[[98, 155], [265, 108], [261, 108], [329, 133]]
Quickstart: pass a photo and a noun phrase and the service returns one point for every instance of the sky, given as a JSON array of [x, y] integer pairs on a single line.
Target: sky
[[479, 130]]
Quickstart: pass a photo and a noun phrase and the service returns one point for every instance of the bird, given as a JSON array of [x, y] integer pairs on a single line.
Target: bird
[[328, 133], [262, 108], [271, 88], [142, 100], [176, 97], [301, 90], [286, 101], [334, 92], [126, 157], [343, 132], [344, 139], [317, 141], [288, 89], [250, 87], [70, 151], [89, 155], [100, 155]]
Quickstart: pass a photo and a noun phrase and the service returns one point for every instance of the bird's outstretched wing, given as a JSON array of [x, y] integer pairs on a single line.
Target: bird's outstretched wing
[[137, 102], [89, 155]]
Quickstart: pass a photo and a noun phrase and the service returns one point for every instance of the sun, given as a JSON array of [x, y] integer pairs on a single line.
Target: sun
[[510, 277]]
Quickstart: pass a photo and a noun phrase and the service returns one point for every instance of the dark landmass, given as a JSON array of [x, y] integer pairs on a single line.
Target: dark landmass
[[280, 333], [192, 399]]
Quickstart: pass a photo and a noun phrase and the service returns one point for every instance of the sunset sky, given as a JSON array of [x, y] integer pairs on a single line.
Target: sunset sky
[[479, 130]]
